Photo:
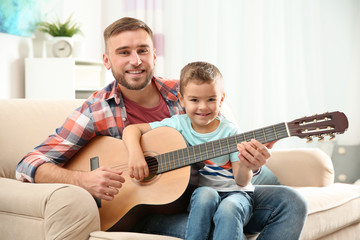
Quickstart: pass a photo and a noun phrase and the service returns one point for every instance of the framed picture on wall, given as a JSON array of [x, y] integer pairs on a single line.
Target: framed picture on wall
[[20, 17]]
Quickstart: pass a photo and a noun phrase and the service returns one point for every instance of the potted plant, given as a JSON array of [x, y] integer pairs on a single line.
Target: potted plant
[[58, 29], [62, 32]]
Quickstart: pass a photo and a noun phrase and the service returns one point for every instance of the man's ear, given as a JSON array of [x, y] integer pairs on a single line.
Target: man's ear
[[181, 99], [154, 56], [106, 61]]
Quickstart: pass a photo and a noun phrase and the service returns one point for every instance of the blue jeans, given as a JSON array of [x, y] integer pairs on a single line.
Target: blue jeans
[[224, 213], [279, 213]]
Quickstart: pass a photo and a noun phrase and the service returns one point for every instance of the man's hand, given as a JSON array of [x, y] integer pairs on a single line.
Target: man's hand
[[102, 182], [253, 154]]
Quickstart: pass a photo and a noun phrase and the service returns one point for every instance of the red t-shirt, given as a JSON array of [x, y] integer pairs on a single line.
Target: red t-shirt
[[139, 114]]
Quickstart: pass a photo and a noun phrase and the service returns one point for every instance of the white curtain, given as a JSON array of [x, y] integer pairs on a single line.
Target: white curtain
[[281, 59]]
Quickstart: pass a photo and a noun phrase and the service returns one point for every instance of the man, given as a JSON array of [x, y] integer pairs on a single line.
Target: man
[[136, 96]]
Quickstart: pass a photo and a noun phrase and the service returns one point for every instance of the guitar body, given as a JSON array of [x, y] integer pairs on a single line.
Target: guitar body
[[163, 193]]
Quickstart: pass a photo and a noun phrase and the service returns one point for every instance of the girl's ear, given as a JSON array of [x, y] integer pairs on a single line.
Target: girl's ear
[[181, 100]]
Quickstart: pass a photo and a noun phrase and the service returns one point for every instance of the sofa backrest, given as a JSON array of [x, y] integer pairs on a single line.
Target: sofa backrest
[[24, 124]]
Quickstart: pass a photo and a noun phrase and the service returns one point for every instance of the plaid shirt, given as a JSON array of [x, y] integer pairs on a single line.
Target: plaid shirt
[[103, 113]]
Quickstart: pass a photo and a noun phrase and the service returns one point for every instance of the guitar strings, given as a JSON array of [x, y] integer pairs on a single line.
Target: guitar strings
[[124, 166], [205, 151], [193, 154]]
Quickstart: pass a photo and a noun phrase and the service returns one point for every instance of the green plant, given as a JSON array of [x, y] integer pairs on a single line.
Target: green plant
[[58, 29]]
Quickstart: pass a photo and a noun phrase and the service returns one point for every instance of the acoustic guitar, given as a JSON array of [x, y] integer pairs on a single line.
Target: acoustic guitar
[[172, 179]]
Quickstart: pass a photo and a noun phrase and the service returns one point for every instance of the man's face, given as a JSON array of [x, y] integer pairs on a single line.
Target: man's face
[[131, 57]]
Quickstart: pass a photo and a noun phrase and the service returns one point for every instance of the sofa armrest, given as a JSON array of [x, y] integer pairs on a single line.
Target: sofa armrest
[[302, 167], [46, 211]]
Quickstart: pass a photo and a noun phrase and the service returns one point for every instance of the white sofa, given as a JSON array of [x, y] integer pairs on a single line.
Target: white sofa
[[60, 211]]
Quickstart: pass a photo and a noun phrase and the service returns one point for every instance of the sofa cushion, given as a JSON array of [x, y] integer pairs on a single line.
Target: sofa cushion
[[100, 235], [331, 208], [349, 232]]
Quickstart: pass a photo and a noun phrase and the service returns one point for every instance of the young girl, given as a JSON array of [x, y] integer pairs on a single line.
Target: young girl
[[222, 204]]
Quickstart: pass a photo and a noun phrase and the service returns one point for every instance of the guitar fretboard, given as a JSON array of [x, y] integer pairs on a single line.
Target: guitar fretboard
[[198, 153]]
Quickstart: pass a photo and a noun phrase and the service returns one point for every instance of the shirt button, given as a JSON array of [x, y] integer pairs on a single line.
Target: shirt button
[[124, 119]]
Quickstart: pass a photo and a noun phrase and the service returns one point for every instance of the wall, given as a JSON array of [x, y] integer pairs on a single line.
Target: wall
[[15, 49]]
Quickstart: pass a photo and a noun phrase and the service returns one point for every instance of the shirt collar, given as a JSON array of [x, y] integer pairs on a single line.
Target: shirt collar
[[166, 91]]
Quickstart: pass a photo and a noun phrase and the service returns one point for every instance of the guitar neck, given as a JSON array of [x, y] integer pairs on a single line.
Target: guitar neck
[[198, 153]]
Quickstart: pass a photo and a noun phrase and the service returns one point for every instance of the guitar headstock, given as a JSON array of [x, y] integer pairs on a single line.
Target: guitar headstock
[[319, 125]]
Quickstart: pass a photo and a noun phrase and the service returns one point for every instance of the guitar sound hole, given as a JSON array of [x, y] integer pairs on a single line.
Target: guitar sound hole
[[153, 167]]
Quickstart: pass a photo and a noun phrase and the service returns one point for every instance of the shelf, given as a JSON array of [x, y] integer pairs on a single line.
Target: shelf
[[66, 78]]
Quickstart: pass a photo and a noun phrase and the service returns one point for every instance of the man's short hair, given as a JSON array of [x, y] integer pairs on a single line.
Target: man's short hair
[[125, 24]]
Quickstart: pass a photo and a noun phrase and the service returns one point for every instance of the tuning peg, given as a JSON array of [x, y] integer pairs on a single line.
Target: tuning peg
[[320, 138], [309, 140], [332, 136]]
